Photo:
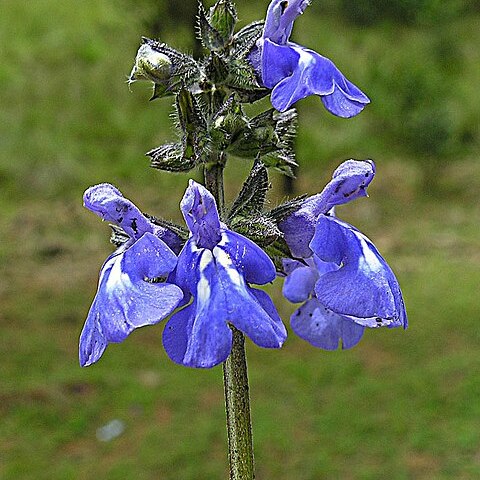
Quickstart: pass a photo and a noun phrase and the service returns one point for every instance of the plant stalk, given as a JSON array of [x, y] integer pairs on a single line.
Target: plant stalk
[[235, 377], [237, 404]]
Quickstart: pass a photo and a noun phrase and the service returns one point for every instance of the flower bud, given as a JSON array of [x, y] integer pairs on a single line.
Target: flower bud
[[151, 65], [217, 26]]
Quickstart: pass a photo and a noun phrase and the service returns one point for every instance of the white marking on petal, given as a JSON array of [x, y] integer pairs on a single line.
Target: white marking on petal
[[205, 260], [224, 238], [203, 287], [225, 261], [117, 279], [305, 58], [369, 261]]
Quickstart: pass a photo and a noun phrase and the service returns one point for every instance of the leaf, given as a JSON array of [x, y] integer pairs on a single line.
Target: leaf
[[195, 137], [277, 251], [160, 90], [282, 211], [281, 161], [207, 34], [246, 38], [189, 113], [223, 17], [260, 229], [253, 193], [182, 232], [227, 123], [216, 69], [270, 135], [171, 157]]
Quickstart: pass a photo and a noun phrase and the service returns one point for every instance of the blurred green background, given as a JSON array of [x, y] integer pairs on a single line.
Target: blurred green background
[[400, 405]]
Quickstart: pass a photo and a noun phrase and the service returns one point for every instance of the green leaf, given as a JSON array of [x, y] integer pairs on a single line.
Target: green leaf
[[216, 69], [182, 232], [269, 136], [277, 251], [171, 157], [209, 36], [245, 39], [260, 229], [228, 123], [253, 193], [241, 75], [190, 114], [222, 18], [160, 90], [285, 209], [281, 162]]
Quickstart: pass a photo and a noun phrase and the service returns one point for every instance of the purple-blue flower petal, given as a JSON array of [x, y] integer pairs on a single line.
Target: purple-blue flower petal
[[220, 296], [187, 274], [149, 257], [243, 309], [110, 205], [197, 336], [267, 304], [349, 181], [92, 340], [298, 230], [295, 72], [278, 62], [364, 288], [177, 332], [127, 298], [299, 284], [201, 215], [346, 100], [255, 265], [280, 17], [323, 328]]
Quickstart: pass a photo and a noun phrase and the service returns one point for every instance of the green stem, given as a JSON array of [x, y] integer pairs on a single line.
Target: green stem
[[237, 404], [213, 174], [235, 377]]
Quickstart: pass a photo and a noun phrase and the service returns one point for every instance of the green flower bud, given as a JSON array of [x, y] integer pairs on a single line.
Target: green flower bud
[[151, 65]]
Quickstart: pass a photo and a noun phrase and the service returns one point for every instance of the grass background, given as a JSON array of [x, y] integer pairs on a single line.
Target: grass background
[[400, 405]]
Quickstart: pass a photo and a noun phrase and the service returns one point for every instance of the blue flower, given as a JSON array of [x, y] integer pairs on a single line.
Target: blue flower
[[294, 72], [342, 278], [130, 291], [215, 268]]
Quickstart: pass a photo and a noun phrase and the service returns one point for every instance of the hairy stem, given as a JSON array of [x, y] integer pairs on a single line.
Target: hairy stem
[[237, 403], [235, 378], [213, 174]]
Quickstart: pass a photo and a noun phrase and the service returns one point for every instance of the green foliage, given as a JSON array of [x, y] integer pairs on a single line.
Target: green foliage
[[419, 103], [217, 26]]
